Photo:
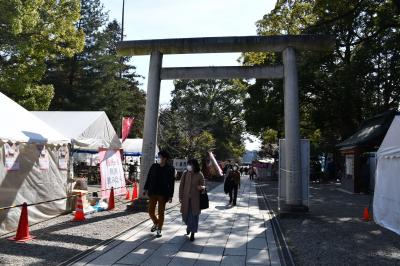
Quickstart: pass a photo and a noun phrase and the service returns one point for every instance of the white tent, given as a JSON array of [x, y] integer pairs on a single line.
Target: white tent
[[29, 165], [133, 147], [386, 207], [88, 131]]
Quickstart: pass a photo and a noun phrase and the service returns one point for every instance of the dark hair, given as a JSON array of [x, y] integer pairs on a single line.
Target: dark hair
[[164, 154], [195, 164]]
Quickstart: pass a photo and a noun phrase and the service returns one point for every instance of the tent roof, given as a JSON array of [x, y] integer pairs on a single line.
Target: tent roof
[[133, 147], [391, 143], [87, 130], [19, 125], [370, 132]]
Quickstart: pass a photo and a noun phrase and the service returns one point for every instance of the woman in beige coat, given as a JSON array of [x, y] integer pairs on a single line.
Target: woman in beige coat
[[192, 183]]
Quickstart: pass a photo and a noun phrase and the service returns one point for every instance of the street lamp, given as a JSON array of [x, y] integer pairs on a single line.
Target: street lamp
[[123, 18]]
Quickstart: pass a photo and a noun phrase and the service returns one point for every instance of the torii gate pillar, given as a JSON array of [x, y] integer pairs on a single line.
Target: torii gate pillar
[[292, 129], [151, 115]]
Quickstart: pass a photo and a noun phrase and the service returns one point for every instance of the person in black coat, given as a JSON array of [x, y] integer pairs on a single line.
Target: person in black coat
[[159, 187]]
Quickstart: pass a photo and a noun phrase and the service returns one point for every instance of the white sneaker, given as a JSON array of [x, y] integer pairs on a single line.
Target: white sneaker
[[158, 233], [154, 228]]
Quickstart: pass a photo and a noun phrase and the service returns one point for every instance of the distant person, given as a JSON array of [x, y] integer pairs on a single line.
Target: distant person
[[192, 183], [136, 171], [252, 172], [227, 167], [234, 178], [159, 187], [132, 171], [330, 169]]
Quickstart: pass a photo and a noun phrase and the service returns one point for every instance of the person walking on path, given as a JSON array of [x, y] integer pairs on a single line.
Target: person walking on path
[[192, 183], [252, 172], [234, 178], [159, 187]]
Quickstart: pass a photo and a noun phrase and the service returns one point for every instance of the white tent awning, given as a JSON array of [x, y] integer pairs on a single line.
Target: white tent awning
[[133, 147], [387, 180], [19, 125], [87, 130]]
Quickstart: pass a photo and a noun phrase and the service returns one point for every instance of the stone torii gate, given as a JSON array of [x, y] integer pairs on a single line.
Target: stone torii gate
[[287, 44]]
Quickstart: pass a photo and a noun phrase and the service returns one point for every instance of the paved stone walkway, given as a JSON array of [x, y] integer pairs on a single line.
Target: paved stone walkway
[[241, 235]]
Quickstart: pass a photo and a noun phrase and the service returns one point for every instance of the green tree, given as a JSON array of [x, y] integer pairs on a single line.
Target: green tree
[[32, 32], [269, 143], [338, 89], [97, 78], [201, 112]]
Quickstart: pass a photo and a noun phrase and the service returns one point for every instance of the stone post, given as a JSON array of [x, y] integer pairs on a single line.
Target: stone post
[[292, 130], [150, 126], [151, 116]]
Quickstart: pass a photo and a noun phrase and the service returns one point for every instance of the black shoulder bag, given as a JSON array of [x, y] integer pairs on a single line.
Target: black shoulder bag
[[204, 203]]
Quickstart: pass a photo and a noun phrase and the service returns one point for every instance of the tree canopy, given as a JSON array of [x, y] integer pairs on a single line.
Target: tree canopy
[[204, 115], [97, 78], [338, 89], [61, 55], [32, 32]]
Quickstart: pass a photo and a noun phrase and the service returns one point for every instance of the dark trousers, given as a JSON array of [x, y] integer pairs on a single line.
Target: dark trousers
[[154, 200], [233, 191]]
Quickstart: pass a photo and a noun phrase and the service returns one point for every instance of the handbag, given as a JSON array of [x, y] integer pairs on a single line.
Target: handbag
[[204, 203], [228, 184]]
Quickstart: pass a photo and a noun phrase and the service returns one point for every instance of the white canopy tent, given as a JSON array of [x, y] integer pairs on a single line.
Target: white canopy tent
[[133, 147], [386, 207], [35, 173], [88, 131]]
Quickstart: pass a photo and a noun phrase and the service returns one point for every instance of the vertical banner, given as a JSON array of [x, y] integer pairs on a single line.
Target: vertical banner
[[214, 164], [111, 172], [11, 160], [127, 123], [63, 157], [44, 161]]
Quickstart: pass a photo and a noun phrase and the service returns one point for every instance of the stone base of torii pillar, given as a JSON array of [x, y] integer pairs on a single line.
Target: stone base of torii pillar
[[139, 205]]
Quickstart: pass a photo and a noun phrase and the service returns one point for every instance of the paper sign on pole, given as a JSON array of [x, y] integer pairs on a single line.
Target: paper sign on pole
[[44, 161], [111, 172], [11, 156], [63, 157]]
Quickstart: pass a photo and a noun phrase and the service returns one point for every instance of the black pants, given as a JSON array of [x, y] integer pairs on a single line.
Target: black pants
[[233, 191]]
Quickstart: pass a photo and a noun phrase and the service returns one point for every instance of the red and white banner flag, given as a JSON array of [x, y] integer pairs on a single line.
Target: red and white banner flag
[[127, 123]]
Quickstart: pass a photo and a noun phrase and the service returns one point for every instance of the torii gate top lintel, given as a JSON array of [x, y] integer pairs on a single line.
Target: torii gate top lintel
[[275, 43]]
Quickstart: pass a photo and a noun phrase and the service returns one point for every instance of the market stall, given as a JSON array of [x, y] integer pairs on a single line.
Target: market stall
[[88, 131], [33, 165], [358, 153]]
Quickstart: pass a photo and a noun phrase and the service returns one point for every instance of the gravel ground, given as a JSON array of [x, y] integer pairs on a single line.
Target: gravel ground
[[59, 239], [333, 233]]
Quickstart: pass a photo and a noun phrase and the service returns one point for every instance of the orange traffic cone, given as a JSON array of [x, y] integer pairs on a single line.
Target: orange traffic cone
[[134, 192], [79, 215], [128, 195], [111, 201], [23, 226], [366, 216]]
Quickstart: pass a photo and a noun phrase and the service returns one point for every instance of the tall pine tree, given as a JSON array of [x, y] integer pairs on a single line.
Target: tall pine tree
[[97, 78]]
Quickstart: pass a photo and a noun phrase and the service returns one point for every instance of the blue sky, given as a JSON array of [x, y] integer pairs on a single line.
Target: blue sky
[[158, 19]]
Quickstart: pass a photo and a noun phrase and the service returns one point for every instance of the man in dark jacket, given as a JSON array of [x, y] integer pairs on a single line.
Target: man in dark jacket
[[159, 187], [234, 177]]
